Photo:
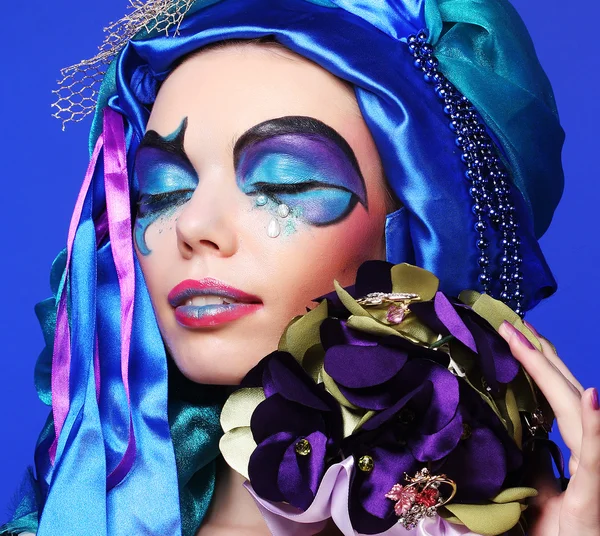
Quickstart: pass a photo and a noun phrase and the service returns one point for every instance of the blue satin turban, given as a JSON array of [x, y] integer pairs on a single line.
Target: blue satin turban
[[483, 49]]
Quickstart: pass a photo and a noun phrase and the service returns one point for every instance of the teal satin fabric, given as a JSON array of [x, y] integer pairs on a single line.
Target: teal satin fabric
[[194, 413], [485, 50]]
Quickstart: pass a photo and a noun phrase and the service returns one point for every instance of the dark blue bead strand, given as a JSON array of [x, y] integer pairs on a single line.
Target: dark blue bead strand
[[486, 177]]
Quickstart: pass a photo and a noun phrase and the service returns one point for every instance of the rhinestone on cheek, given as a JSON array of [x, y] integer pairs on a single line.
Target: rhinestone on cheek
[[283, 211]]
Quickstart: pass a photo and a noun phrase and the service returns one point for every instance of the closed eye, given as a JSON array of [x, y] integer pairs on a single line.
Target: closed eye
[[153, 203], [314, 202]]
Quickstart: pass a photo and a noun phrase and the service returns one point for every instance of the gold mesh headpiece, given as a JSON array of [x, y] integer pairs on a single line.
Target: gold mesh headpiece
[[78, 89]]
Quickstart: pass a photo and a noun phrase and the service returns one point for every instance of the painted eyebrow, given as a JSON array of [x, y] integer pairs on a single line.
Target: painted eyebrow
[[293, 124], [170, 144]]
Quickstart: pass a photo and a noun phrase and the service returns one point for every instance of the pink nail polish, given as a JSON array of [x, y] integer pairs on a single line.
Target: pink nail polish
[[534, 331], [524, 340], [595, 403]]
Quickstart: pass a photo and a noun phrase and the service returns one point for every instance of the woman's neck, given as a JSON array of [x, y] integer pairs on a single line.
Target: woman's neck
[[232, 509]]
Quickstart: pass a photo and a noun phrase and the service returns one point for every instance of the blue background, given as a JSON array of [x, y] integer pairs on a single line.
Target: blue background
[[41, 169]]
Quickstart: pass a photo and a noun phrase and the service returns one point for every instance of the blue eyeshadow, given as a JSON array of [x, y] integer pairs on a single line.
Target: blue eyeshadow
[[309, 172], [166, 180]]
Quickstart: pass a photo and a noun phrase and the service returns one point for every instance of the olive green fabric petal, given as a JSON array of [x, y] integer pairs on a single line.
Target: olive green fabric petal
[[523, 387], [237, 444], [491, 519], [514, 494], [352, 419], [335, 392], [349, 302], [485, 50], [414, 280], [514, 417], [312, 362], [414, 330], [365, 418], [487, 519], [371, 326], [496, 312], [304, 332], [524, 392]]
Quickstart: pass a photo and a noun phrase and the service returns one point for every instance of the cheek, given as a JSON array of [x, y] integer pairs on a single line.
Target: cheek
[[304, 265], [350, 243], [157, 255]]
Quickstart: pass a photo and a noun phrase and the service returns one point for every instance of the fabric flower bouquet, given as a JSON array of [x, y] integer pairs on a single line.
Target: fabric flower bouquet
[[386, 406]]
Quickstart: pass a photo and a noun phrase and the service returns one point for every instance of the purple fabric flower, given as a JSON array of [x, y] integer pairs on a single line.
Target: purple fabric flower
[[416, 421], [414, 412], [372, 373], [486, 455], [474, 334], [424, 415], [422, 426], [297, 429]]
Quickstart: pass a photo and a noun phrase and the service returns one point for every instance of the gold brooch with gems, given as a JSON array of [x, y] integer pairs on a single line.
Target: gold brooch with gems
[[420, 497], [398, 303]]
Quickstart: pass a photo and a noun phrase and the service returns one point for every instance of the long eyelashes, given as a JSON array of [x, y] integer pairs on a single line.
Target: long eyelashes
[[313, 203], [154, 204], [274, 190]]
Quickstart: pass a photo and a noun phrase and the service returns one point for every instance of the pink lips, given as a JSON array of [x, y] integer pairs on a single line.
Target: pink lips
[[203, 316]]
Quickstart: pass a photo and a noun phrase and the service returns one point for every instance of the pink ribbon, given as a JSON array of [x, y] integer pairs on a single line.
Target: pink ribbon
[[116, 186], [118, 219], [61, 353]]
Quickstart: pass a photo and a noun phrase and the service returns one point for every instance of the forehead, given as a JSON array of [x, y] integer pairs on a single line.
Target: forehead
[[225, 91]]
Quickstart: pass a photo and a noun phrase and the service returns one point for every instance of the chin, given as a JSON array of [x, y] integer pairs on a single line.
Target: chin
[[226, 369]]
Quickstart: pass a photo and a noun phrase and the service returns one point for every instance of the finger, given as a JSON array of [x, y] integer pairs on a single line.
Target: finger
[[560, 393], [556, 388], [581, 508], [549, 351]]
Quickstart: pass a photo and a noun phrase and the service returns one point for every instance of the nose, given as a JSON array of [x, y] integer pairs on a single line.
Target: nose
[[206, 225]]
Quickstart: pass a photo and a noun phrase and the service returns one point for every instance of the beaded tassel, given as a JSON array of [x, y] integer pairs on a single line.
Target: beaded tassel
[[486, 175]]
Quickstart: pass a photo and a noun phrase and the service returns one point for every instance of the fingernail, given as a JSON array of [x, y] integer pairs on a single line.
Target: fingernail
[[595, 403], [524, 340], [535, 331], [509, 327]]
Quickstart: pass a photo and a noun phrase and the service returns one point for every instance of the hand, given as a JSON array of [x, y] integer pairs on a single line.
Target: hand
[[576, 511]]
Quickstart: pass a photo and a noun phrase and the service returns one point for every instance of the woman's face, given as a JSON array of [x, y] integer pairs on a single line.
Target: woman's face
[[259, 185]]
